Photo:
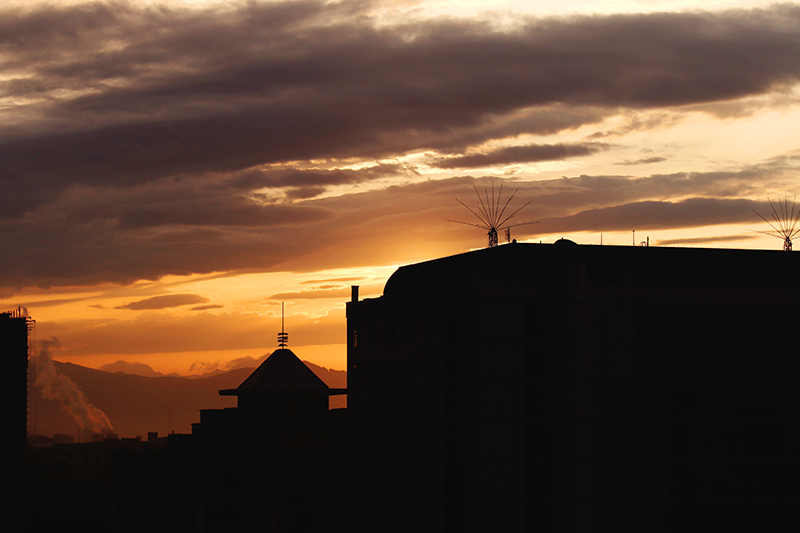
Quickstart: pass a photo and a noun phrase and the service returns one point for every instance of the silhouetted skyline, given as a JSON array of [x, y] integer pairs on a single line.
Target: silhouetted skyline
[[524, 387], [170, 174]]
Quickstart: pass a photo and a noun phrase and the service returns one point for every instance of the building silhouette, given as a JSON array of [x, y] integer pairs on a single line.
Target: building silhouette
[[273, 463], [525, 387], [15, 330], [564, 387], [14, 343]]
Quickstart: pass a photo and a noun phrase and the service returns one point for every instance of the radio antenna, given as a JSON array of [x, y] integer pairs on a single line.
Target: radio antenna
[[785, 221], [491, 215]]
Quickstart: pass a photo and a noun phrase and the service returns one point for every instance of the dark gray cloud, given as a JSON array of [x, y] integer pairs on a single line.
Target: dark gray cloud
[[399, 223], [699, 241], [332, 280], [144, 141], [165, 301], [312, 295], [642, 161], [207, 307], [164, 91], [655, 215], [520, 154]]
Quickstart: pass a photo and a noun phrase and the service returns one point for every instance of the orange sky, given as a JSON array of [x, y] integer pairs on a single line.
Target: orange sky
[[172, 175]]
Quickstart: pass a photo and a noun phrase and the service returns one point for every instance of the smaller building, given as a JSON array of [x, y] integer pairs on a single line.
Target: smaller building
[[273, 463]]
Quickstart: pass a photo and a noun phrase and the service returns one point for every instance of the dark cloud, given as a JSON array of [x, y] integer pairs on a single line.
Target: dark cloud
[[336, 280], [145, 141], [520, 154], [385, 226], [207, 307], [165, 302], [695, 241], [643, 161], [164, 91], [312, 294], [294, 177], [234, 211], [655, 215]]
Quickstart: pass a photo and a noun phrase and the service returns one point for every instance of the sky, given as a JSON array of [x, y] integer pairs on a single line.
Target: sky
[[173, 171]]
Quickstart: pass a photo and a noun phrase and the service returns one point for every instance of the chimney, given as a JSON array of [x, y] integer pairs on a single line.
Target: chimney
[[354, 293]]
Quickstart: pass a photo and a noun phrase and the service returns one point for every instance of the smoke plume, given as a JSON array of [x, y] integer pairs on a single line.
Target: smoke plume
[[56, 386]]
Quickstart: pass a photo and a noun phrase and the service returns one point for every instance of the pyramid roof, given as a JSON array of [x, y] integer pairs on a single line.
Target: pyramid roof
[[282, 371]]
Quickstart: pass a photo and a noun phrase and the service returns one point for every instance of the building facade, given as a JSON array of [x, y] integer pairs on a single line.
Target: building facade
[[565, 387], [15, 330], [14, 346]]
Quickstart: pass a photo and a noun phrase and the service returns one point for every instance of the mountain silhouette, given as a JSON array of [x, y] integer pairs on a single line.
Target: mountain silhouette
[[137, 405]]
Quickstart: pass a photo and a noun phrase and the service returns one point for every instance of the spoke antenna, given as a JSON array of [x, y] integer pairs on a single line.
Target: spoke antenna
[[785, 222], [491, 214]]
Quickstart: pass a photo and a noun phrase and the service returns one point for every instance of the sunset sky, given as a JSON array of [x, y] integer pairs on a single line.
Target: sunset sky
[[174, 170]]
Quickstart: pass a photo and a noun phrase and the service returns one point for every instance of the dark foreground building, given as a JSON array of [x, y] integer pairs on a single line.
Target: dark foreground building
[[568, 387], [275, 463], [15, 330], [14, 338]]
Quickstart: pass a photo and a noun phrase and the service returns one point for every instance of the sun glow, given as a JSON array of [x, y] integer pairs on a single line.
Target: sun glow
[[164, 158]]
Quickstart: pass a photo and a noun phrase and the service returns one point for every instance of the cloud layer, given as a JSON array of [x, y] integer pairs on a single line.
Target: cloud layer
[[145, 141]]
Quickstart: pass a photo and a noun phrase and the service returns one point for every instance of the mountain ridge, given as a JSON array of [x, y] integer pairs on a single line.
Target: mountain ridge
[[136, 405]]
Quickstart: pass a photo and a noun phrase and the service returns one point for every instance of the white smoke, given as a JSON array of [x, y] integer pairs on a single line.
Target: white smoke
[[56, 386]]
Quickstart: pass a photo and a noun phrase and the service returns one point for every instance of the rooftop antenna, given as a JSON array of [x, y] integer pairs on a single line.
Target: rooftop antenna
[[785, 219], [491, 216], [283, 337]]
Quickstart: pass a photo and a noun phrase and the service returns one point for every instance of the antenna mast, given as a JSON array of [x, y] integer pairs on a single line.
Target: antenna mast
[[785, 221], [283, 337], [491, 216]]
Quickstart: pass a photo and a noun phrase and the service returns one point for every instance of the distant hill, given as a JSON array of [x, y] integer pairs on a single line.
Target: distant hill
[[136, 405]]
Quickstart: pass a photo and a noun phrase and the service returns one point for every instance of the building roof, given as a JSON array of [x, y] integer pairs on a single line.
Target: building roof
[[638, 265], [281, 372]]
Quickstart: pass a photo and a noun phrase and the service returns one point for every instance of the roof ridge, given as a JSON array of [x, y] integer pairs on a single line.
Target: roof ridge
[[283, 371]]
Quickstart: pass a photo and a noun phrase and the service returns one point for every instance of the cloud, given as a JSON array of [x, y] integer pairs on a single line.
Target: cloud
[[692, 241], [643, 161], [234, 364], [312, 294], [161, 91], [655, 215], [333, 280], [165, 302], [131, 367], [207, 307], [157, 332], [520, 154], [145, 141], [405, 222]]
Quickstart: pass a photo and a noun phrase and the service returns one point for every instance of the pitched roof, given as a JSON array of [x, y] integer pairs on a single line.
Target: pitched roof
[[281, 372]]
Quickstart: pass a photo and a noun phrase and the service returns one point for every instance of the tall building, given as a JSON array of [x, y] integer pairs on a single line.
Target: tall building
[[15, 330], [564, 387], [14, 338]]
